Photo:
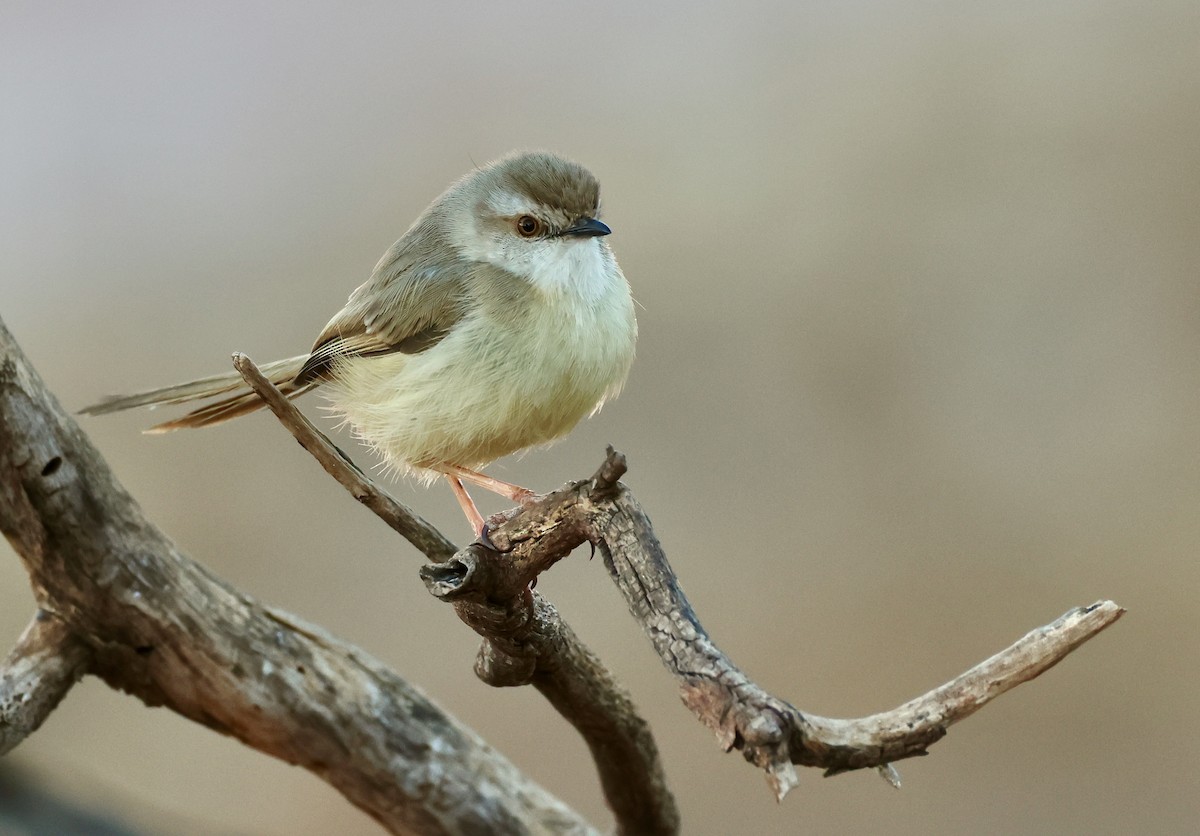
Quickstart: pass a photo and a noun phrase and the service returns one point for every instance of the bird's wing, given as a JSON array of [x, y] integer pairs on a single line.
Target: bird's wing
[[408, 305]]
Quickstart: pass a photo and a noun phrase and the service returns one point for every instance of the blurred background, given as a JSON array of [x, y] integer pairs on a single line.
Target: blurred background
[[919, 366]]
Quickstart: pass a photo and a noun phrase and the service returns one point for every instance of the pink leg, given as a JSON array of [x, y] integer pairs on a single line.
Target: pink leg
[[468, 505], [506, 489]]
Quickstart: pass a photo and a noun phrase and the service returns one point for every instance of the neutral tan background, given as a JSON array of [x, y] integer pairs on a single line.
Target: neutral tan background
[[919, 367]]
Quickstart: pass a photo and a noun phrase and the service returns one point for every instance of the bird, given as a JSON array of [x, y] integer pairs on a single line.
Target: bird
[[497, 322]]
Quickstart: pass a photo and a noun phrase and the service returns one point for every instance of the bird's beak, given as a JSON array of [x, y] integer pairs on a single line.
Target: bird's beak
[[587, 228]]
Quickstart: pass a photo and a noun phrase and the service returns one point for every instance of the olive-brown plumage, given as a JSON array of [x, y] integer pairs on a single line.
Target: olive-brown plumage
[[495, 323]]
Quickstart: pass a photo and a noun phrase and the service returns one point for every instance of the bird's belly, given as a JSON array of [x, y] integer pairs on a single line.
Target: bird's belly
[[483, 392]]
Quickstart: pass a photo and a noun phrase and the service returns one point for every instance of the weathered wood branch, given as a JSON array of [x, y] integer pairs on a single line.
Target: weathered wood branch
[[398, 516], [162, 627], [770, 732], [130, 608], [46, 662], [490, 588], [525, 640]]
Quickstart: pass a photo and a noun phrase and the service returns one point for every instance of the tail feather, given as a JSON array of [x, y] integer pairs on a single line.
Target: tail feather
[[226, 409], [282, 373]]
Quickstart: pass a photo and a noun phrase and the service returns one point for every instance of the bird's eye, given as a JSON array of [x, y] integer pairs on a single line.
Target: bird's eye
[[528, 226]]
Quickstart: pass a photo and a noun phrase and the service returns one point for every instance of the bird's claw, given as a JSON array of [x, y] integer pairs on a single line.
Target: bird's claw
[[485, 538]]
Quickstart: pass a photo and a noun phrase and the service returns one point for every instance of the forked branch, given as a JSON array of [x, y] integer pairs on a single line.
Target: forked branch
[[769, 731], [138, 613], [119, 600], [525, 640], [490, 589]]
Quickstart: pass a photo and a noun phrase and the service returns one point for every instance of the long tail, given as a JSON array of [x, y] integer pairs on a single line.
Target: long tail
[[244, 401]]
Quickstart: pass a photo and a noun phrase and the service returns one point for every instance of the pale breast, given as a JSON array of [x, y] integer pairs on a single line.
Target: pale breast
[[514, 373]]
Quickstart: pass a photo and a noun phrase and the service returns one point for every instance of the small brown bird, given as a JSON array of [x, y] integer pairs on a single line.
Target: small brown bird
[[496, 322]]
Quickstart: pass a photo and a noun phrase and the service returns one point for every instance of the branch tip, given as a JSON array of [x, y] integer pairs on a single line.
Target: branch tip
[[782, 779], [443, 580], [889, 773], [744, 716], [611, 470]]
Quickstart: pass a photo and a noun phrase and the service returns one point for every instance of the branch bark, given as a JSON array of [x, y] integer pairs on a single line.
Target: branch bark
[[489, 585], [398, 516], [525, 640], [769, 731], [133, 610], [165, 629], [48, 659]]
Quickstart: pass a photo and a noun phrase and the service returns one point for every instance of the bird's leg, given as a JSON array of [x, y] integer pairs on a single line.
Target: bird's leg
[[506, 489], [468, 505]]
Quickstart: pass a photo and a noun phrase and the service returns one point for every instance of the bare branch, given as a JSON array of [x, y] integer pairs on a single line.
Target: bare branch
[[770, 732], [47, 660], [490, 590], [167, 630], [1030, 656], [402, 519], [150, 621], [525, 640]]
